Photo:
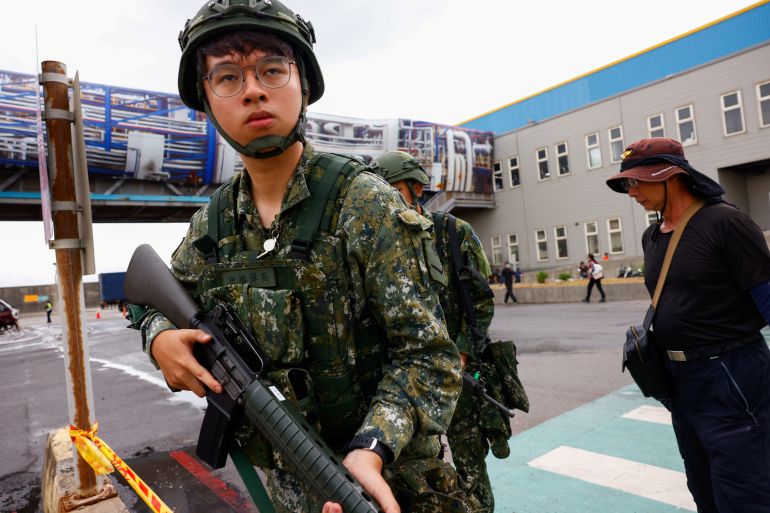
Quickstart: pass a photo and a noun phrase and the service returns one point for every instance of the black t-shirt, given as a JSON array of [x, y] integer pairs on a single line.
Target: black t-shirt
[[508, 275], [706, 299]]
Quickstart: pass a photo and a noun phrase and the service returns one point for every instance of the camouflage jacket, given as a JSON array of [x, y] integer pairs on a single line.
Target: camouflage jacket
[[484, 306], [380, 244]]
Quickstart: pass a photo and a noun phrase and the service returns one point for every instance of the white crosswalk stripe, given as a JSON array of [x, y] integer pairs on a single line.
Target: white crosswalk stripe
[[646, 413], [655, 483]]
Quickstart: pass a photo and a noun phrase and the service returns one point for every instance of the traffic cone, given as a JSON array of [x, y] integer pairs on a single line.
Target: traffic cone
[[98, 314]]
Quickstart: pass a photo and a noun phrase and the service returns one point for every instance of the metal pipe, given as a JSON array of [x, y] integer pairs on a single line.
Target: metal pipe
[[68, 265]]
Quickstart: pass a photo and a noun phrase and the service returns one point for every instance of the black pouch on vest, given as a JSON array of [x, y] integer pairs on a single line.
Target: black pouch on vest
[[644, 360]]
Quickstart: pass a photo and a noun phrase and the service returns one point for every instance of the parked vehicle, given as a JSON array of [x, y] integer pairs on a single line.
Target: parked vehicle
[[111, 289], [9, 316]]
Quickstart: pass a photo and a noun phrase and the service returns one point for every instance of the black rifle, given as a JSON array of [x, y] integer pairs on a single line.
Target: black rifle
[[477, 387], [245, 391]]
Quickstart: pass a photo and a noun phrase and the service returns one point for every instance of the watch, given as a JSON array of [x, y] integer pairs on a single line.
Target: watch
[[371, 444]]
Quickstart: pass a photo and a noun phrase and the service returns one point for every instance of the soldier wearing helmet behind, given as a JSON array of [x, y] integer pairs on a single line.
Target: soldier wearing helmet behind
[[476, 425], [321, 260]]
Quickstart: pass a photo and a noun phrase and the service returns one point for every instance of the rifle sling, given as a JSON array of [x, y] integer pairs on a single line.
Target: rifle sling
[[251, 479]]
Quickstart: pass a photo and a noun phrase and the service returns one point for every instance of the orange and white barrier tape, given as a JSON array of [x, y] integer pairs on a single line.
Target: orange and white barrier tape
[[104, 461]]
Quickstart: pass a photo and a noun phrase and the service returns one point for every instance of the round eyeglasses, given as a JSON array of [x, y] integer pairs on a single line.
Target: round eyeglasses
[[227, 79]]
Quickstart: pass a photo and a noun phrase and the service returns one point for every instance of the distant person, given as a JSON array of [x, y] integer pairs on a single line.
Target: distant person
[[517, 275], [582, 270], [605, 256], [596, 274], [508, 279], [48, 310], [715, 301]]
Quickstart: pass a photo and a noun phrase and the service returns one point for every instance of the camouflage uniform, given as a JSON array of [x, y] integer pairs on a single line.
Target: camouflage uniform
[[378, 254], [469, 443]]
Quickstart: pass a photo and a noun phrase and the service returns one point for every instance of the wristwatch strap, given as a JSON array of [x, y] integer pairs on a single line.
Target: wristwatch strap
[[372, 444]]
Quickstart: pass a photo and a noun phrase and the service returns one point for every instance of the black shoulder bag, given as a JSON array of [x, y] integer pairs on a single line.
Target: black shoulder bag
[[641, 355]]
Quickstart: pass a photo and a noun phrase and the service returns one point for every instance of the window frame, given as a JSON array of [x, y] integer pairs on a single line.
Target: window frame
[[560, 155], [499, 247], [539, 161], [537, 244], [598, 146], [556, 239], [691, 119], [612, 141], [619, 230], [662, 125], [511, 259], [725, 110], [760, 100], [497, 172], [591, 234], [511, 168], [649, 221]]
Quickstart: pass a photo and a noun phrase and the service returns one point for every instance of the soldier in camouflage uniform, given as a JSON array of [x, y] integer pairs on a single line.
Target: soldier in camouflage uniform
[[476, 425], [322, 260]]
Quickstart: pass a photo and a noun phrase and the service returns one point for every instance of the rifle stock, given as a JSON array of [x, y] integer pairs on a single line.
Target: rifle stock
[[149, 282]]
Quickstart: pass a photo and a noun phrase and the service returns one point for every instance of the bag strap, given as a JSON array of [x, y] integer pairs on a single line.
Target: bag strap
[[672, 247], [481, 340]]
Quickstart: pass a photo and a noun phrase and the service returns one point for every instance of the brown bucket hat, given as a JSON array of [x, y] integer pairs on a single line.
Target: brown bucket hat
[[648, 160]]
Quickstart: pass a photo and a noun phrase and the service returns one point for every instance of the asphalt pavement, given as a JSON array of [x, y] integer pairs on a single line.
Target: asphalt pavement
[[569, 356]]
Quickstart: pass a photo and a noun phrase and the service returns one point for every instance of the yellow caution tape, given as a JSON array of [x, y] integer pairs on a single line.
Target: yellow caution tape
[[104, 461]]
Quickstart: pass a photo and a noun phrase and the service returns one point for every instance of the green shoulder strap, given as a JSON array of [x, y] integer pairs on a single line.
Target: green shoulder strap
[[250, 478], [218, 228], [318, 212]]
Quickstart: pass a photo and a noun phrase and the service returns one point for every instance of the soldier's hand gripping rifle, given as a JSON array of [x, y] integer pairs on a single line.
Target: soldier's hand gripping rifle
[[477, 387], [149, 282]]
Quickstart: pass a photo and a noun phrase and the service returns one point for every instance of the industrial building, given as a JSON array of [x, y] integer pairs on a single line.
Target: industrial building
[[553, 151]]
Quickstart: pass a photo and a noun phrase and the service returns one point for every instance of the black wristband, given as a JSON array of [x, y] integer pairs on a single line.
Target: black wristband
[[372, 444]]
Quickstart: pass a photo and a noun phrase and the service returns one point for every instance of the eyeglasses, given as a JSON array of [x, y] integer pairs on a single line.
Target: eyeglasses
[[627, 183], [227, 79]]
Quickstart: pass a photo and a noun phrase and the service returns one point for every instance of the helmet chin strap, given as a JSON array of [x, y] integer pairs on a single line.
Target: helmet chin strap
[[415, 198], [266, 146]]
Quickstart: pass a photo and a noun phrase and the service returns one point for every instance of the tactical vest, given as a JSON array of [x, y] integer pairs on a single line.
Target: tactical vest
[[296, 300]]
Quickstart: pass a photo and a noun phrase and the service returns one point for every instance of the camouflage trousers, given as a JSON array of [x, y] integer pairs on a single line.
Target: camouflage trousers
[[420, 485]]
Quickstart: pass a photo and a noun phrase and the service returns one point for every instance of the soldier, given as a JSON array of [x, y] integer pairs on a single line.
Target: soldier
[[322, 260], [476, 424]]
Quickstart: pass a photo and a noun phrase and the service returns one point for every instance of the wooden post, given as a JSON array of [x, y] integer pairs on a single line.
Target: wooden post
[[67, 244]]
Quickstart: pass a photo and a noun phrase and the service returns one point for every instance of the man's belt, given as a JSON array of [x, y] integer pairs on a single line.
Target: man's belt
[[712, 350]]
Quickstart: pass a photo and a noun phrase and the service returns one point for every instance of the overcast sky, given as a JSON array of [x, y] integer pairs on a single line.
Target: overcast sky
[[435, 60]]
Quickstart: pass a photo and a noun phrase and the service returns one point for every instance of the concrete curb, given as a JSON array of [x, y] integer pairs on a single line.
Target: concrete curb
[[58, 481], [617, 289]]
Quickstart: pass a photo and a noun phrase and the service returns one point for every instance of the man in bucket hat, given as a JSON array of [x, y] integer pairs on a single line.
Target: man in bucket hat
[[715, 301]]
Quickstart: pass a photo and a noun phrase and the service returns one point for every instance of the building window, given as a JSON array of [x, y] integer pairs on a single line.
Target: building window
[[541, 241], [763, 97], [560, 235], [542, 164], [497, 169], [732, 113], [497, 250], [616, 143], [656, 126], [685, 120], [592, 237], [615, 235], [562, 158], [593, 151], [650, 218], [513, 164], [513, 249]]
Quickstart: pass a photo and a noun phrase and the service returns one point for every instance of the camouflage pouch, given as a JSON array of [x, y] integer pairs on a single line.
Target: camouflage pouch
[[495, 426], [503, 356], [425, 486], [275, 318]]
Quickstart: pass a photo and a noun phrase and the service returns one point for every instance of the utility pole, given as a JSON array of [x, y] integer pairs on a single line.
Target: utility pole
[[68, 244]]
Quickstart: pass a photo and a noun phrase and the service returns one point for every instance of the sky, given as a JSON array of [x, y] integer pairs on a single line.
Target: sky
[[435, 60]]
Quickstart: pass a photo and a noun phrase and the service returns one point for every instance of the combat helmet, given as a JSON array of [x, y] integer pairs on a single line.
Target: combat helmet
[[221, 16], [397, 166]]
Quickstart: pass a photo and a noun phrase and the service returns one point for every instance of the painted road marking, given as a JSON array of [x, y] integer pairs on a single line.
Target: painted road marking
[[647, 413], [656, 483]]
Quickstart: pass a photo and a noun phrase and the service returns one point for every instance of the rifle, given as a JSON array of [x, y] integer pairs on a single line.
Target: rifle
[[245, 391], [476, 386]]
